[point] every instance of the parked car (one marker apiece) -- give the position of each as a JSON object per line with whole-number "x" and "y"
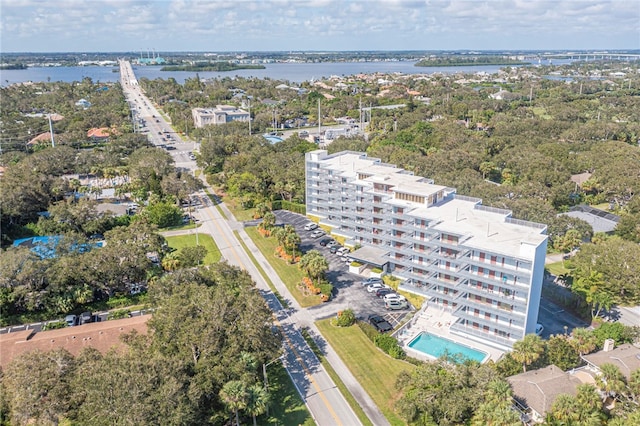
{"x": 310, "y": 226}
{"x": 381, "y": 292}
{"x": 347, "y": 260}
{"x": 380, "y": 323}
{"x": 334, "y": 249}
{"x": 325, "y": 241}
{"x": 343, "y": 250}
{"x": 396, "y": 304}
{"x": 394, "y": 296}
{"x": 333, "y": 243}
{"x": 85, "y": 318}
{"x": 375, "y": 287}
{"x": 71, "y": 320}
{"x": 317, "y": 233}
{"x": 368, "y": 281}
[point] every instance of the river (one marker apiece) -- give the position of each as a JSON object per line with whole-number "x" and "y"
{"x": 292, "y": 72}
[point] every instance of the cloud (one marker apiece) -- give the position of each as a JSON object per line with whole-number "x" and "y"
{"x": 220, "y": 25}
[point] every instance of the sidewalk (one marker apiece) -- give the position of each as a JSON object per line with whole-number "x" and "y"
{"x": 302, "y": 318}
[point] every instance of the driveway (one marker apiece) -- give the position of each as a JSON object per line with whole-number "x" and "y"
{"x": 348, "y": 293}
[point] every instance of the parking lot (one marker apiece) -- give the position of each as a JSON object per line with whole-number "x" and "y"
{"x": 347, "y": 287}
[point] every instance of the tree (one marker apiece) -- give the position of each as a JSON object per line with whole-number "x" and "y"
{"x": 38, "y": 387}
{"x": 583, "y": 340}
{"x": 560, "y": 352}
{"x": 528, "y": 350}
{"x": 192, "y": 256}
{"x": 162, "y": 214}
{"x": 268, "y": 220}
{"x": 314, "y": 265}
{"x": 257, "y": 401}
{"x": 234, "y": 396}
{"x": 290, "y": 240}
{"x": 611, "y": 380}
{"x": 592, "y": 287}
{"x": 496, "y": 409}
{"x": 210, "y": 319}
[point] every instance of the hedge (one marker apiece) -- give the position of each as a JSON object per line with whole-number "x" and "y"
{"x": 288, "y": 205}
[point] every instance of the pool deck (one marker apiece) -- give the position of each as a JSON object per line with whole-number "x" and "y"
{"x": 436, "y": 320}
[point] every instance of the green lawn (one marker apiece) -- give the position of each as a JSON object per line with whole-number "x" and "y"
{"x": 236, "y": 209}
{"x": 290, "y": 275}
{"x": 179, "y": 241}
{"x": 557, "y": 268}
{"x": 376, "y": 371}
{"x": 179, "y": 227}
{"x": 286, "y": 406}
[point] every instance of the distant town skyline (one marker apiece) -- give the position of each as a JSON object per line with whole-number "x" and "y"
{"x": 316, "y": 25}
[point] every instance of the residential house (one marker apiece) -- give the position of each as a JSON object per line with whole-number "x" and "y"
{"x": 626, "y": 357}
{"x": 99, "y": 134}
{"x": 535, "y": 391}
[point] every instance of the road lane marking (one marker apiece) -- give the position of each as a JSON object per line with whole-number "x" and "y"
{"x": 277, "y": 322}
{"x": 307, "y": 372}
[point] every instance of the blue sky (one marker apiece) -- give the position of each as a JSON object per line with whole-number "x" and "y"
{"x": 318, "y": 25}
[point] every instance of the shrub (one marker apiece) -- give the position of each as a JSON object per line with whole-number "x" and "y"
{"x": 345, "y": 318}
{"x": 122, "y": 313}
{"x": 376, "y": 270}
{"x": 326, "y": 289}
{"x": 368, "y": 330}
{"x": 389, "y": 345}
{"x": 54, "y": 325}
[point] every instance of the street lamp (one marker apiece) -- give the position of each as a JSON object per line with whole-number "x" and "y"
{"x": 264, "y": 373}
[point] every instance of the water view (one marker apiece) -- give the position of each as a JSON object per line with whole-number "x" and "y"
{"x": 293, "y": 72}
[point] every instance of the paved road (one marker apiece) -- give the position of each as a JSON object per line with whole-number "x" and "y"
{"x": 324, "y": 400}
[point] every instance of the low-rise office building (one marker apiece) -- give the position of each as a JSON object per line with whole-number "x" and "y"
{"x": 478, "y": 263}
{"x": 219, "y": 115}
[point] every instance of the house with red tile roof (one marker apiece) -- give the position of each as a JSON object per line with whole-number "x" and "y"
{"x": 41, "y": 138}
{"x": 99, "y": 134}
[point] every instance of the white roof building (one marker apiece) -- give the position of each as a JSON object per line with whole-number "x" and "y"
{"x": 219, "y": 115}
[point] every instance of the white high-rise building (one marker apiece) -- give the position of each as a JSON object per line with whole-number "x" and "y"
{"x": 477, "y": 262}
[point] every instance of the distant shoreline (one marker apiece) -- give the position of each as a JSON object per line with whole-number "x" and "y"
{"x": 468, "y": 62}
{"x": 215, "y": 66}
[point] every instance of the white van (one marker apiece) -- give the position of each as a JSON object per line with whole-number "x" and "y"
{"x": 310, "y": 226}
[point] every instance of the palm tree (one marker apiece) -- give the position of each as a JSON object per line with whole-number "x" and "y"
{"x": 257, "y": 401}
{"x": 583, "y": 340}
{"x": 528, "y": 350}
{"x": 234, "y": 396}
{"x": 564, "y": 410}
{"x": 269, "y": 220}
{"x": 611, "y": 380}
{"x": 314, "y": 264}
{"x": 291, "y": 240}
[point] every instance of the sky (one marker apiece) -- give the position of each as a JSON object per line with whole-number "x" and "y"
{"x": 316, "y": 25}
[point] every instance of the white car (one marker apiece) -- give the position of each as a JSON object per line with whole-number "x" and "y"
{"x": 372, "y": 288}
{"x": 310, "y": 226}
{"x": 396, "y": 304}
{"x": 317, "y": 234}
{"x": 343, "y": 251}
{"x": 394, "y": 296}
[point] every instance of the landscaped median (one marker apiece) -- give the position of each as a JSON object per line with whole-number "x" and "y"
{"x": 375, "y": 371}
{"x": 291, "y": 275}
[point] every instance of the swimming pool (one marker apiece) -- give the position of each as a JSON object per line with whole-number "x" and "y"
{"x": 436, "y": 346}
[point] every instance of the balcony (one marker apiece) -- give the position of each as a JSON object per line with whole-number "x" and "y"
{"x": 516, "y": 326}
{"x": 497, "y": 295}
{"x": 467, "y": 330}
{"x": 525, "y": 274}
{"x": 495, "y": 280}
{"x": 414, "y": 288}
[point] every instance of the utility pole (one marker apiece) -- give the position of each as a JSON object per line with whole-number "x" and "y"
{"x": 53, "y": 143}
{"x": 249, "y": 116}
